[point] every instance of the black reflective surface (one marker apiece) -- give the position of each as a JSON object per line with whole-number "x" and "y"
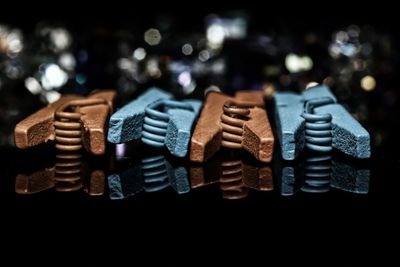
{"x": 134, "y": 172}
{"x": 151, "y": 196}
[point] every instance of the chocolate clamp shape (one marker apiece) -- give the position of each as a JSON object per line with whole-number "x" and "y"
{"x": 143, "y": 119}
{"x": 344, "y": 132}
{"x": 256, "y": 135}
{"x": 40, "y": 127}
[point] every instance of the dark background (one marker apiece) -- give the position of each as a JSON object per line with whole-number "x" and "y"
{"x": 154, "y": 220}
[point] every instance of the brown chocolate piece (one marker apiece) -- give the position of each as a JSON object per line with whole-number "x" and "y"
{"x": 258, "y": 138}
{"x": 72, "y": 121}
{"x": 38, "y": 128}
{"x": 239, "y": 122}
{"x": 207, "y": 136}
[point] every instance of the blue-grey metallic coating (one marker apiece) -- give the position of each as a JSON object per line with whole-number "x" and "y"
{"x": 348, "y": 135}
{"x": 289, "y": 124}
{"x": 180, "y": 126}
{"x": 141, "y": 119}
{"x": 320, "y": 91}
{"x": 126, "y": 124}
{"x": 318, "y": 127}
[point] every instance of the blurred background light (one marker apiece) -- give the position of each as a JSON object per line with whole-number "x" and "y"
{"x": 53, "y": 77}
{"x": 139, "y": 53}
{"x": 152, "y": 36}
{"x": 187, "y": 49}
{"x": 368, "y": 83}
{"x": 295, "y": 63}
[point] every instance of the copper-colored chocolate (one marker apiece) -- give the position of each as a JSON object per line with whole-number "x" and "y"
{"x": 39, "y": 127}
{"x": 234, "y": 176}
{"x": 72, "y": 121}
{"x": 239, "y": 122}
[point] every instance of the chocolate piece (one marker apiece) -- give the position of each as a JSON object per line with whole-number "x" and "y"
{"x": 239, "y": 122}
{"x": 72, "y": 121}
{"x": 315, "y": 120}
{"x": 157, "y": 120}
{"x": 126, "y": 123}
{"x": 38, "y": 128}
{"x": 207, "y": 136}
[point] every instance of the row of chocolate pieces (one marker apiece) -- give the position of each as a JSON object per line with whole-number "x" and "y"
{"x": 312, "y": 119}
{"x": 235, "y": 175}
{"x": 240, "y": 122}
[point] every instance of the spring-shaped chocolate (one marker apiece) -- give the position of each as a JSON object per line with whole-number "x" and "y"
{"x": 232, "y": 121}
{"x": 68, "y": 126}
{"x": 68, "y": 172}
{"x": 231, "y": 182}
{"x": 156, "y": 121}
{"x": 155, "y": 173}
{"x": 68, "y": 136}
{"x": 317, "y": 174}
{"x": 318, "y": 127}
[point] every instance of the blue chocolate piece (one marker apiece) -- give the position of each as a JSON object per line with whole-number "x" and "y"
{"x": 126, "y": 124}
{"x": 289, "y": 123}
{"x": 347, "y": 134}
{"x": 157, "y": 120}
{"x": 180, "y": 127}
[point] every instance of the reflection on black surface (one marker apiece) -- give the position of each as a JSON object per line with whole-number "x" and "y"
{"x": 64, "y": 173}
{"x": 235, "y": 173}
{"x": 318, "y": 173}
{"x": 151, "y": 173}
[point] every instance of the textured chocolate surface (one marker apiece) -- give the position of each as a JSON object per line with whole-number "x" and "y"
{"x": 39, "y": 128}
{"x": 348, "y": 134}
{"x": 257, "y": 137}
